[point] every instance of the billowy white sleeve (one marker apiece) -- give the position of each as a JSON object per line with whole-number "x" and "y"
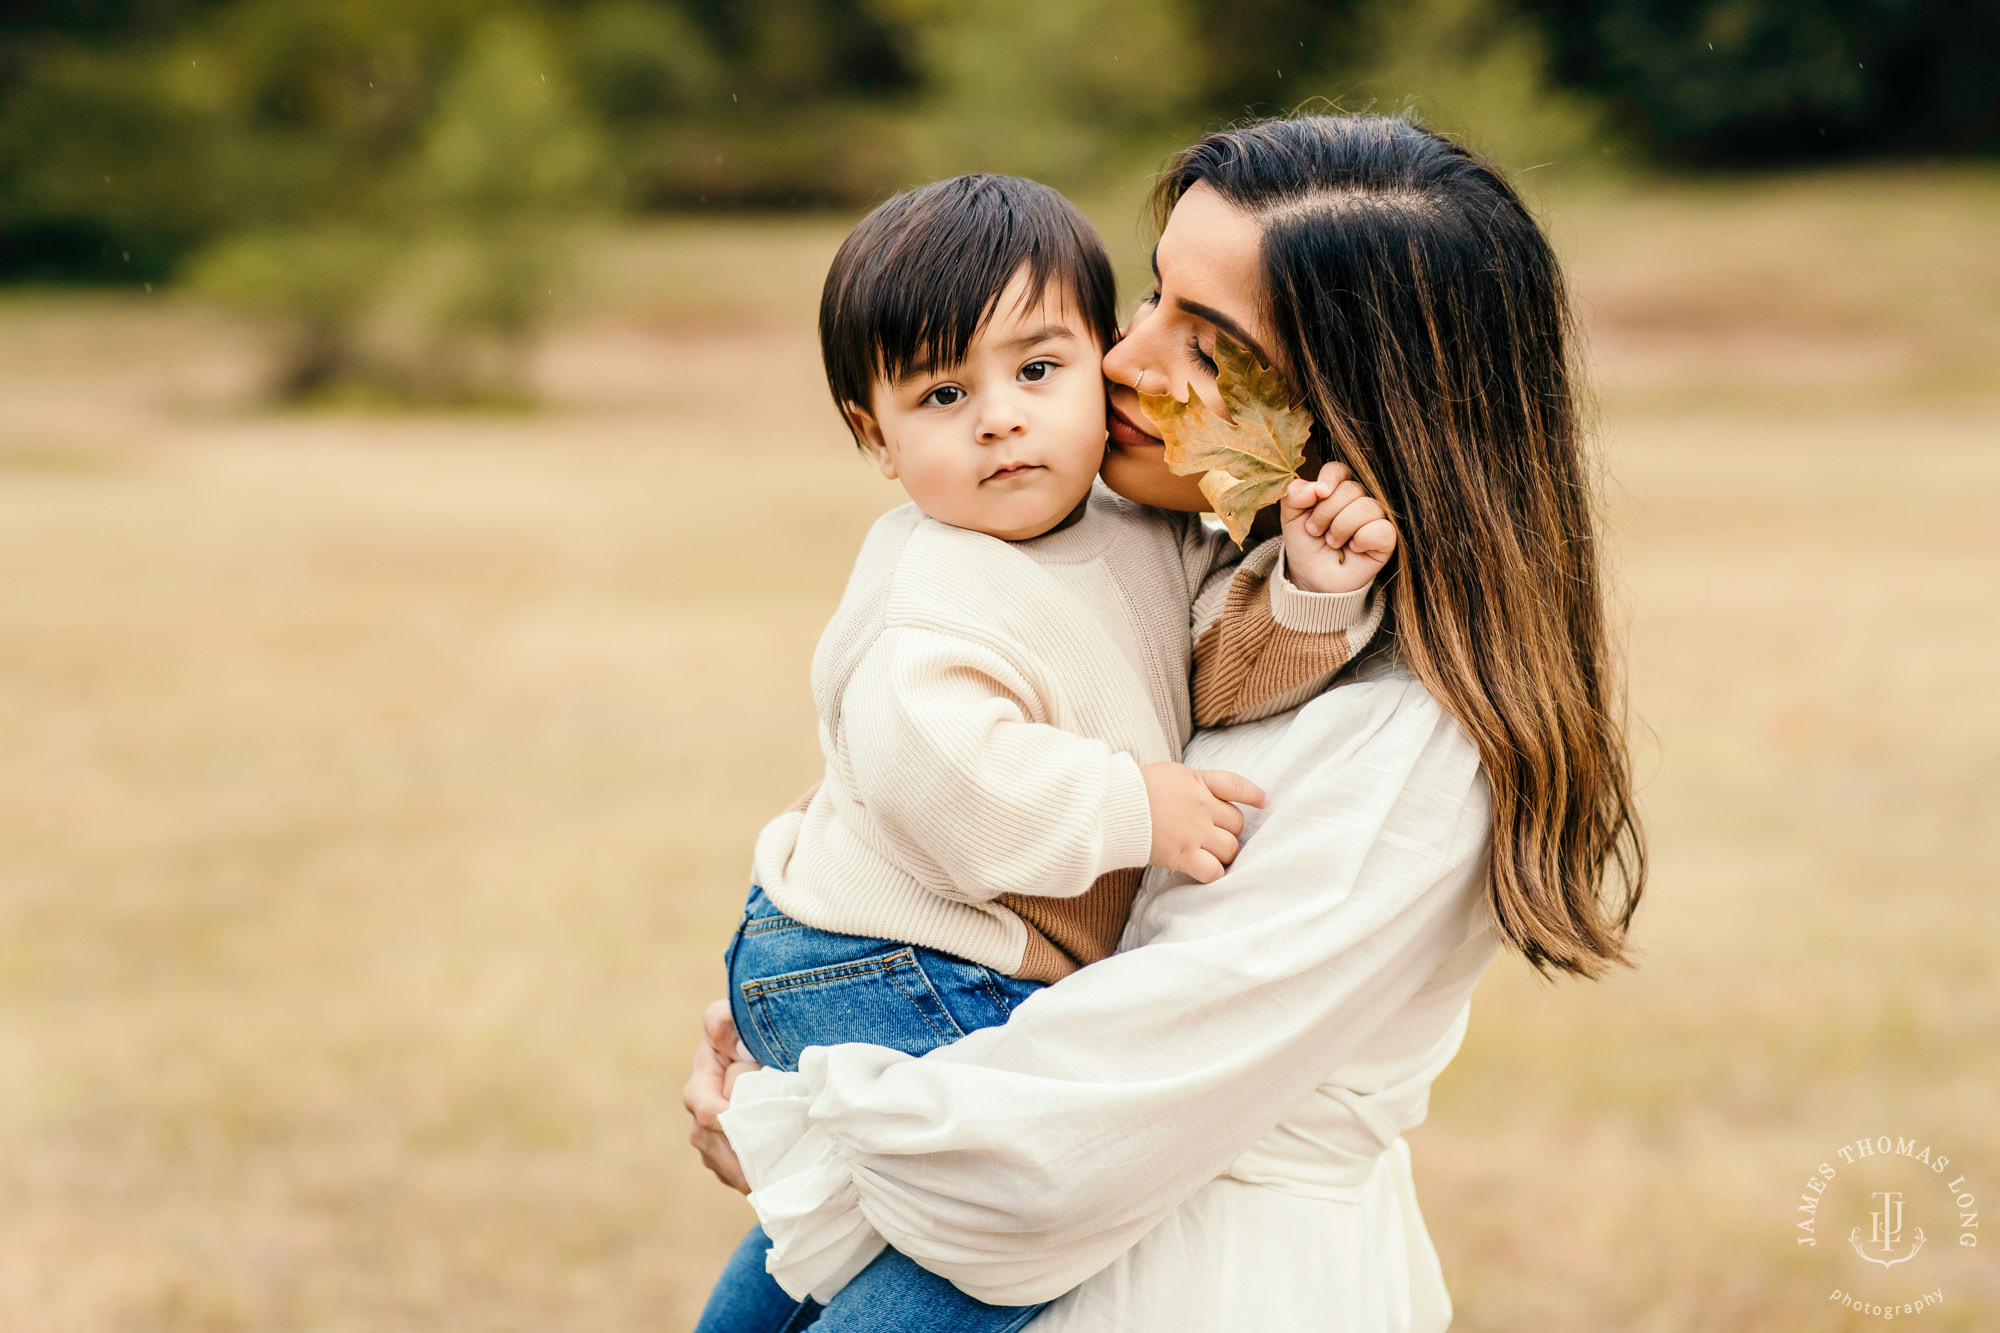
{"x": 1024, "y": 1158}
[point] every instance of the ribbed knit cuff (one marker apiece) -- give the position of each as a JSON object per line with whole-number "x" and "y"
{"x": 1315, "y": 612}
{"x": 1128, "y": 817}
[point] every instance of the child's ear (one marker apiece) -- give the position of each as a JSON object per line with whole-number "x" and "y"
{"x": 869, "y": 432}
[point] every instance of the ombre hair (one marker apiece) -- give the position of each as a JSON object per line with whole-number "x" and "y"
{"x": 1422, "y": 316}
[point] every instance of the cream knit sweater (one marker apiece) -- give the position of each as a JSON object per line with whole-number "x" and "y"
{"x": 985, "y": 705}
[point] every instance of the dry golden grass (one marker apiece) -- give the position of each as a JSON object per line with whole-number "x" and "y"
{"x": 377, "y": 791}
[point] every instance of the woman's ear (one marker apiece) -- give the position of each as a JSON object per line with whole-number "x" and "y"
{"x": 869, "y": 432}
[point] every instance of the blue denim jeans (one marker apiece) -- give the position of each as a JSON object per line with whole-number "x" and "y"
{"x": 792, "y": 986}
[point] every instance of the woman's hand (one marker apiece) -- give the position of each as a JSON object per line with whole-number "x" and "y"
{"x": 1336, "y": 536}
{"x": 717, "y": 1063}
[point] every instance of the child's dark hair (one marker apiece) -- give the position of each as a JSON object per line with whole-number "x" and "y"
{"x": 913, "y": 283}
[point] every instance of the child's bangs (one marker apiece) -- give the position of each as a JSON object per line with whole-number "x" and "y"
{"x": 932, "y": 335}
{"x": 915, "y": 283}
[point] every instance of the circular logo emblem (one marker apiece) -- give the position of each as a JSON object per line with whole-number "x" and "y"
{"x": 1892, "y": 1206}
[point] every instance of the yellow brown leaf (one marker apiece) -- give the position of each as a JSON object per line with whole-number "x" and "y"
{"x": 1247, "y": 457}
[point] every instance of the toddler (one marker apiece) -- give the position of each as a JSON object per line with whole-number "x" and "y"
{"x": 1003, "y": 693}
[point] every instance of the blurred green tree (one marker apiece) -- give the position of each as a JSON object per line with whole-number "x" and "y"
{"x": 154, "y": 127}
{"x": 1481, "y": 72}
{"x": 781, "y": 103}
{"x": 395, "y": 177}
{"x": 1741, "y": 82}
{"x": 1067, "y": 93}
{"x": 440, "y": 298}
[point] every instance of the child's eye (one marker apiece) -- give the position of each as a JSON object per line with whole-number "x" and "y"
{"x": 945, "y": 395}
{"x": 1037, "y": 371}
{"x": 1207, "y": 361}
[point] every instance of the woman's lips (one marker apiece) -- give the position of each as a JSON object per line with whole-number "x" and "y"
{"x": 1127, "y": 432}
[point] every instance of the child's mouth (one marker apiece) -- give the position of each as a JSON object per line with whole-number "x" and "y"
{"x": 1014, "y": 470}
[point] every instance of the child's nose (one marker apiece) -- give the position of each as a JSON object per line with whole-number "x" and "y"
{"x": 1002, "y": 420}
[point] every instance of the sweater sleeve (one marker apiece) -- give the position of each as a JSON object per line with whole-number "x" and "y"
{"x": 1021, "y": 1159}
{"x": 1263, "y": 645}
{"x": 940, "y": 745}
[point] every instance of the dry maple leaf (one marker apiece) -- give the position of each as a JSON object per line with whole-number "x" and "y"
{"x": 1248, "y": 457}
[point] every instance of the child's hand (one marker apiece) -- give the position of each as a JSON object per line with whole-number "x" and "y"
{"x": 1194, "y": 823}
{"x": 1336, "y": 537}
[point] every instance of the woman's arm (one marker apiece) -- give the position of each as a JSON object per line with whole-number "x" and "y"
{"x": 1024, "y": 1158}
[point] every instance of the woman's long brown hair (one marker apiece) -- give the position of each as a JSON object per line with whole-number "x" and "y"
{"x": 1424, "y": 317}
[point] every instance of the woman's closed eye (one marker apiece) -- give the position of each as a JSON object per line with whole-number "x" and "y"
{"x": 1202, "y": 359}
{"x": 1195, "y": 352}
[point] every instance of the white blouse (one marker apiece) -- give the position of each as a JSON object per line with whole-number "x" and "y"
{"x": 1203, "y": 1130}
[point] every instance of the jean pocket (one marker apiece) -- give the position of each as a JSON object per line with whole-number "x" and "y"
{"x": 886, "y": 1000}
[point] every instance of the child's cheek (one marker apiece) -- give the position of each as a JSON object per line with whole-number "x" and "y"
{"x": 945, "y": 492}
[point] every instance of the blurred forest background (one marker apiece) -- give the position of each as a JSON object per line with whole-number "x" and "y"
{"x": 392, "y": 180}
{"x": 419, "y": 500}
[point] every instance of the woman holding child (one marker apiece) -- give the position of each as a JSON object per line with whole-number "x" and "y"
{"x": 1203, "y": 1130}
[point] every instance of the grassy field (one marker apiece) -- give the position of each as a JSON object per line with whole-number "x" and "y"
{"x": 377, "y": 791}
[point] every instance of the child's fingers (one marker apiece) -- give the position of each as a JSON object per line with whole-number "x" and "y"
{"x": 1301, "y": 494}
{"x": 1299, "y": 497}
{"x": 1202, "y": 867}
{"x": 1332, "y": 474}
{"x": 1221, "y": 844}
{"x": 1235, "y": 787}
{"x": 1225, "y": 816}
{"x": 1376, "y": 540}
{"x": 1323, "y": 514}
{"x": 1351, "y": 520}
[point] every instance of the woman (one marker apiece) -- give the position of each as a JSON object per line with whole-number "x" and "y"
{"x": 1204, "y": 1131}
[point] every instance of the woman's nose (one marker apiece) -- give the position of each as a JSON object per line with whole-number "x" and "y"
{"x": 1126, "y": 363}
{"x": 1118, "y": 362}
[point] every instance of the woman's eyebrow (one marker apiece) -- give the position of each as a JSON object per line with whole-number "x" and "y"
{"x": 1214, "y": 316}
{"x": 1227, "y": 325}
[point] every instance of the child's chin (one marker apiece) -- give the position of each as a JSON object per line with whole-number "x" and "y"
{"x": 1027, "y": 523}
